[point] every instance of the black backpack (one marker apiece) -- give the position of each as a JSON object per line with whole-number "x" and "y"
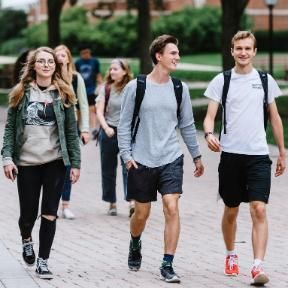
{"x": 140, "y": 92}
{"x": 75, "y": 87}
{"x": 227, "y": 78}
{"x": 107, "y": 96}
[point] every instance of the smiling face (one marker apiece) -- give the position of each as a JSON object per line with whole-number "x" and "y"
{"x": 44, "y": 65}
{"x": 169, "y": 58}
{"x": 243, "y": 52}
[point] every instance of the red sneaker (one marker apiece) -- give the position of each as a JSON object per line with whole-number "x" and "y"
{"x": 231, "y": 265}
{"x": 258, "y": 276}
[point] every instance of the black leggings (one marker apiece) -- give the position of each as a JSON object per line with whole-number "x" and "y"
{"x": 30, "y": 180}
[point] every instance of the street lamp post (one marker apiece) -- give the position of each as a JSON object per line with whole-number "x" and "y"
{"x": 270, "y": 4}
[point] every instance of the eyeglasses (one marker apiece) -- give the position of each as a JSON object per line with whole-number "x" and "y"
{"x": 43, "y": 62}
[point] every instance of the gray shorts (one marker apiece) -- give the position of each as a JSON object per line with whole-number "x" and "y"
{"x": 144, "y": 182}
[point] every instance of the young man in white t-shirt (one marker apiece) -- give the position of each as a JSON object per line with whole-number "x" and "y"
{"x": 245, "y": 166}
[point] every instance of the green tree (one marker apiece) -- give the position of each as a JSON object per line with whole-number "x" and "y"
{"x": 232, "y": 11}
{"x": 11, "y": 23}
{"x": 144, "y": 36}
{"x": 144, "y": 30}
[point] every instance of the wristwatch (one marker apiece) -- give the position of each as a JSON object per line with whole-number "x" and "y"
{"x": 197, "y": 158}
{"x": 206, "y": 134}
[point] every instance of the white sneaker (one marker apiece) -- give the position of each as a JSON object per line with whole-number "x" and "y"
{"x": 67, "y": 214}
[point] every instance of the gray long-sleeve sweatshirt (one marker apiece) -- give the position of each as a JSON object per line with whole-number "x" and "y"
{"x": 156, "y": 142}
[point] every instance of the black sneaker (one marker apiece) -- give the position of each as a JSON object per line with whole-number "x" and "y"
{"x": 28, "y": 252}
{"x": 167, "y": 273}
{"x": 134, "y": 257}
{"x": 42, "y": 270}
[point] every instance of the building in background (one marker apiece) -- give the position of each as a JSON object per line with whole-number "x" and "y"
{"x": 257, "y": 9}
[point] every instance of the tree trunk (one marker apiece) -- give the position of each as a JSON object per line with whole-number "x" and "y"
{"x": 144, "y": 36}
{"x": 232, "y": 11}
{"x": 54, "y": 12}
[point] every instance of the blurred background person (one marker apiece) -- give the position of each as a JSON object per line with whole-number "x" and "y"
{"x": 19, "y": 65}
{"x": 108, "y": 111}
{"x": 76, "y": 81}
{"x": 89, "y": 68}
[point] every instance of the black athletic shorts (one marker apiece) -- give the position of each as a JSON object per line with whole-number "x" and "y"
{"x": 144, "y": 182}
{"x": 244, "y": 178}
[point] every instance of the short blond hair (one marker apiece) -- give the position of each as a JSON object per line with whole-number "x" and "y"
{"x": 243, "y": 35}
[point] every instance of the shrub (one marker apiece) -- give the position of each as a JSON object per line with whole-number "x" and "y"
{"x": 196, "y": 29}
{"x": 13, "y": 46}
{"x": 11, "y": 23}
{"x": 280, "y": 42}
{"x": 36, "y": 35}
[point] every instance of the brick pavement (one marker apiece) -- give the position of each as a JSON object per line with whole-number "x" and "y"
{"x": 91, "y": 251}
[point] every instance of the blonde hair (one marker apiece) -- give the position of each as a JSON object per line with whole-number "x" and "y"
{"x": 126, "y": 78}
{"x": 243, "y": 35}
{"x": 70, "y": 65}
{"x": 29, "y": 75}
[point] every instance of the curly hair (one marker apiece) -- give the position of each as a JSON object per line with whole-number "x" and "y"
{"x": 29, "y": 75}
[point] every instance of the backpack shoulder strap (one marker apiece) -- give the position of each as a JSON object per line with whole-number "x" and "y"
{"x": 264, "y": 81}
{"x": 227, "y": 78}
{"x": 178, "y": 89}
{"x": 140, "y": 92}
{"x": 107, "y": 89}
{"x": 75, "y": 83}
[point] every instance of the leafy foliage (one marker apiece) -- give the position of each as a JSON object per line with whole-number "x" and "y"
{"x": 196, "y": 29}
{"x": 11, "y": 23}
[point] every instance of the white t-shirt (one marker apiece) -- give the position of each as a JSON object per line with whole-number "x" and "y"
{"x": 245, "y": 132}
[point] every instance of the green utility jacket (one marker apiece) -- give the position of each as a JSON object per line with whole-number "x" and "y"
{"x": 67, "y": 129}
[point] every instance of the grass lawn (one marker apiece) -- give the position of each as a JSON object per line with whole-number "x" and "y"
{"x": 207, "y": 59}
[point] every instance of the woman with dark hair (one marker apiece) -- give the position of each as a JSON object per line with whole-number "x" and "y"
{"x": 20, "y": 64}
{"x": 108, "y": 111}
{"x": 40, "y": 140}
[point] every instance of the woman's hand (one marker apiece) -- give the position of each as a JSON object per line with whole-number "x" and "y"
{"x": 84, "y": 137}
{"x": 74, "y": 175}
{"x": 10, "y": 171}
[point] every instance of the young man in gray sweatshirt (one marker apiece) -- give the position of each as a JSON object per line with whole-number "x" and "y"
{"x": 155, "y": 160}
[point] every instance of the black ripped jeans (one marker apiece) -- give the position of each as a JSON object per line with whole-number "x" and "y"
{"x": 30, "y": 180}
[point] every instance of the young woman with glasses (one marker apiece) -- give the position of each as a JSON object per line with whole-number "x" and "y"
{"x": 40, "y": 140}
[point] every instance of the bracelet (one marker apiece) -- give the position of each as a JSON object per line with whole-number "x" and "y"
{"x": 197, "y": 158}
{"x": 206, "y": 134}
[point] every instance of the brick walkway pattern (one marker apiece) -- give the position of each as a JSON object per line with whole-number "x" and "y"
{"x": 91, "y": 251}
